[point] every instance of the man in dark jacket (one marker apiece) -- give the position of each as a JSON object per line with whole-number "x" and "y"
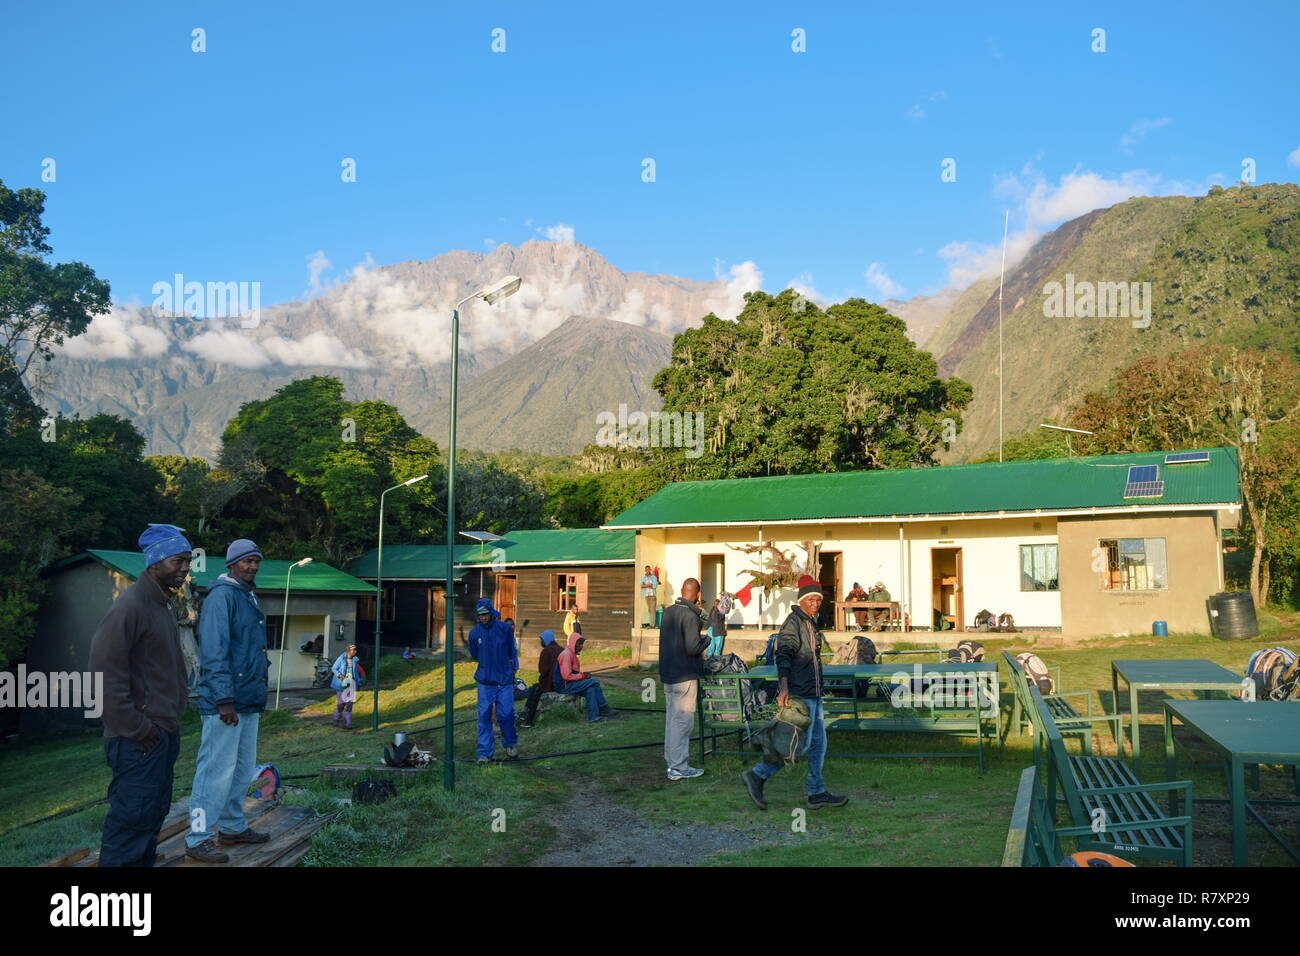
{"x": 680, "y": 666}
{"x": 137, "y": 648}
{"x": 545, "y": 668}
{"x": 231, "y": 698}
{"x": 799, "y": 669}
{"x": 492, "y": 644}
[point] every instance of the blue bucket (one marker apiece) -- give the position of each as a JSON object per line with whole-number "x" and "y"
{"x": 1160, "y": 628}
{"x": 659, "y": 616}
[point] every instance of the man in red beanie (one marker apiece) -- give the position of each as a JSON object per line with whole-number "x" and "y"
{"x": 800, "y": 670}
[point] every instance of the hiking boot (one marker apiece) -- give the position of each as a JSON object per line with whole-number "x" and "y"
{"x": 483, "y": 760}
{"x": 609, "y": 713}
{"x": 686, "y": 774}
{"x": 512, "y": 752}
{"x": 247, "y": 836}
{"x": 207, "y": 852}
{"x": 754, "y": 785}
{"x": 826, "y": 799}
{"x": 525, "y": 726}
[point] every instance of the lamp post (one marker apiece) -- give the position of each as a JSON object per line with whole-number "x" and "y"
{"x": 499, "y": 290}
{"x": 284, "y": 628}
{"x": 379, "y": 591}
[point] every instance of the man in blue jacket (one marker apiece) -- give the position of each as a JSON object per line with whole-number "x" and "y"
{"x": 492, "y": 644}
{"x": 231, "y": 697}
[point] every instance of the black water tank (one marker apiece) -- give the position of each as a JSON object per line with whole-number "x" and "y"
{"x": 1235, "y": 620}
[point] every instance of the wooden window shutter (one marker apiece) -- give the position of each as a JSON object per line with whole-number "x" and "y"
{"x": 580, "y": 583}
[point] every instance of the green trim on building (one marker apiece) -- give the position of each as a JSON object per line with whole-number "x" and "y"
{"x": 409, "y": 562}
{"x": 1052, "y": 484}
{"x": 557, "y": 546}
{"x": 315, "y": 577}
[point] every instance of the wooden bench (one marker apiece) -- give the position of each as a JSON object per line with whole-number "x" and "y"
{"x": 1110, "y": 809}
{"x": 1068, "y": 719}
{"x": 1033, "y": 839}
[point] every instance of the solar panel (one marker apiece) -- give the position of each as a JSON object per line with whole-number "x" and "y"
{"x": 1186, "y": 457}
{"x": 1138, "y": 473}
{"x": 1144, "y": 489}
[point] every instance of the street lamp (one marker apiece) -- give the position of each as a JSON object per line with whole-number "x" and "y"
{"x": 499, "y": 290}
{"x": 1069, "y": 451}
{"x": 284, "y": 627}
{"x": 379, "y": 591}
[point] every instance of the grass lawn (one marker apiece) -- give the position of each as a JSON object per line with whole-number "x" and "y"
{"x": 903, "y": 812}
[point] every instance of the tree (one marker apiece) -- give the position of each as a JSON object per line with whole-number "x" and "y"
{"x": 789, "y": 388}
{"x": 41, "y": 302}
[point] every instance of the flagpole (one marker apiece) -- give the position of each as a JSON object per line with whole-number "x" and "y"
{"x": 1006, "y": 219}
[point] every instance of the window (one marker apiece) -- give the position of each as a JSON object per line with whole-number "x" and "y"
{"x": 367, "y": 610}
{"x": 1038, "y": 568}
{"x": 1135, "y": 564}
{"x": 274, "y": 631}
{"x": 569, "y": 592}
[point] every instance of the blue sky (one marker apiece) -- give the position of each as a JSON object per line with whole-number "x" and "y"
{"x": 822, "y": 165}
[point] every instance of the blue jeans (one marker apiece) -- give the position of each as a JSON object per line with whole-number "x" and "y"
{"x": 138, "y": 798}
{"x": 814, "y": 749}
{"x": 715, "y": 646}
{"x": 227, "y": 756}
{"x": 589, "y": 687}
{"x": 503, "y": 695}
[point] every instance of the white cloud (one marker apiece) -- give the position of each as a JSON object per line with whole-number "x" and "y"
{"x": 364, "y": 266}
{"x": 880, "y": 281}
{"x": 1139, "y": 129}
{"x": 803, "y": 284}
{"x": 1294, "y": 158}
{"x": 968, "y": 261}
{"x": 316, "y": 348}
{"x": 317, "y": 266}
{"x": 728, "y": 302}
{"x": 915, "y": 113}
{"x": 227, "y": 347}
{"x": 117, "y": 334}
{"x": 561, "y": 232}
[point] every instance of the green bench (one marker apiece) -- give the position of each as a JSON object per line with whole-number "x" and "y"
{"x": 1110, "y": 809}
{"x": 1069, "y": 721}
{"x": 1033, "y": 839}
{"x": 721, "y": 712}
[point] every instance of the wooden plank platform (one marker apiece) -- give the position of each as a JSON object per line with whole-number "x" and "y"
{"x": 290, "y": 830}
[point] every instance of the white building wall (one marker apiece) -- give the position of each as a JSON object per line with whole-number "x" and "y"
{"x": 871, "y": 552}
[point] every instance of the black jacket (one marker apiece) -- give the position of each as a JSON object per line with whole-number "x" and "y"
{"x": 681, "y": 643}
{"x": 797, "y": 659}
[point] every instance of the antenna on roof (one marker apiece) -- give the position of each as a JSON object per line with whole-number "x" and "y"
{"x": 1069, "y": 452}
{"x": 1006, "y": 219}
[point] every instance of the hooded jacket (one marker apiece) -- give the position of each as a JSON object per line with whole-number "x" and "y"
{"x": 681, "y": 643}
{"x": 232, "y": 648}
{"x": 493, "y": 647}
{"x": 568, "y": 666}
{"x": 549, "y": 658}
{"x": 342, "y": 665}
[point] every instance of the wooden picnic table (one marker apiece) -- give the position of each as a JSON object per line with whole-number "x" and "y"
{"x": 895, "y": 618}
{"x": 1244, "y": 734}
{"x": 1198, "y": 675}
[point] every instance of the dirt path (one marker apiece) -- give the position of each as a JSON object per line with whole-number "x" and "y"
{"x": 600, "y": 833}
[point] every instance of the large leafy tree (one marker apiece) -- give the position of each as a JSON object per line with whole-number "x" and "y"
{"x": 789, "y": 388}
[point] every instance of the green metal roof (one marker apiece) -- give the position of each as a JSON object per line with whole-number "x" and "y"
{"x": 316, "y": 576}
{"x": 409, "y": 562}
{"x": 1053, "y": 484}
{"x": 557, "y": 546}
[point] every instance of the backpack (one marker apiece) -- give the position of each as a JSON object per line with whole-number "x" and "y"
{"x": 856, "y": 650}
{"x": 1036, "y": 671}
{"x": 1007, "y": 623}
{"x": 985, "y": 621}
{"x": 768, "y": 657}
{"x": 966, "y": 652}
{"x": 727, "y": 689}
{"x": 1269, "y": 668}
{"x": 373, "y": 791}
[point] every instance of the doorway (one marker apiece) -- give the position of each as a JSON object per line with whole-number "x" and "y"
{"x": 505, "y": 596}
{"x": 828, "y": 576}
{"x": 711, "y": 579}
{"x": 434, "y": 617}
{"x": 946, "y": 586}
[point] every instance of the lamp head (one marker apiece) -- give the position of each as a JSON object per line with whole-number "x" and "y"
{"x": 500, "y": 290}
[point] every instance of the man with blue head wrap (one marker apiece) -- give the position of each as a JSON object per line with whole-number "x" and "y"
{"x": 137, "y": 648}
{"x": 492, "y": 644}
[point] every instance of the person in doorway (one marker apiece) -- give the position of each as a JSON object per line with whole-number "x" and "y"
{"x": 799, "y": 669}
{"x": 570, "y": 678}
{"x": 137, "y": 647}
{"x": 231, "y": 698}
{"x": 680, "y": 667}
{"x": 859, "y": 613}
{"x": 649, "y": 592}
{"x": 717, "y": 629}
{"x": 347, "y": 677}
{"x": 492, "y": 643}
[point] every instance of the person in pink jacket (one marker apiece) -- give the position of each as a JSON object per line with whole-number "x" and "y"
{"x": 570, "y": 678}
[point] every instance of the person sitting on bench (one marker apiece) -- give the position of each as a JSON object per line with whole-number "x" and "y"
{"x": 569, "y": 678}
{"x": 546, "y": 664}
{"x": 875, "y": 616}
